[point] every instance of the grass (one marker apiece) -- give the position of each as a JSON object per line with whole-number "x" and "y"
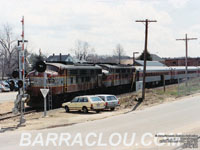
{"x": 158, "y": 95}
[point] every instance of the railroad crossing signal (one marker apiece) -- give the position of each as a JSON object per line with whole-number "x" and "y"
{"x": 40, "y": 66}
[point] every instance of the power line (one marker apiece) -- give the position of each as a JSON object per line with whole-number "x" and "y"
{"x": 145, "y": 52}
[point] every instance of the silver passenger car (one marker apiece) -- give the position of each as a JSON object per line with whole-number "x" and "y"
{"x": 111, "y": 101}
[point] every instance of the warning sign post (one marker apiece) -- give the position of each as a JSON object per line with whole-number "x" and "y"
{"x": 44, "y": 93}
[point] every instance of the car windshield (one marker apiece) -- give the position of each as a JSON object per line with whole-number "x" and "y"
{"x": 110, "y": 98}
{"x": 95, "y": 99}
{"x": 75, "y": 99}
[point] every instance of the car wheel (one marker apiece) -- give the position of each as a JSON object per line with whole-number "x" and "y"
{"x": 112, "y": 109}
{"x": 85, "y": 110}
{"x": 66, "y": 108}
{"x": 97, "y": 111}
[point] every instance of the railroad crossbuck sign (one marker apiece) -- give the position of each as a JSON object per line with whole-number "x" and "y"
{"x": 44, "y": 92}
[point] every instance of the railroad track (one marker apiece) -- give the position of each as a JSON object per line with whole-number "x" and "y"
{"x": 10, "y": 115}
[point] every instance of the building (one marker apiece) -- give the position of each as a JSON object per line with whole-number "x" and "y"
{"x": 156, "y": 60}
{"x": 181, "y": 61}
{"x": 61, "y": 58}
{"x": 148, "y": 63}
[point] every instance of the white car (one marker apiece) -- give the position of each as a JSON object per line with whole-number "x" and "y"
{"x": 85, "y": 103}
{"x": 110, "y": 100}
{"x": 4, "y": 88}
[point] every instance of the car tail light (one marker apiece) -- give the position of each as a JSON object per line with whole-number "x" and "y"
{"x": 106, "y": 103}
{"x": 91, "y": 105}
{"x": 118, "y": 102}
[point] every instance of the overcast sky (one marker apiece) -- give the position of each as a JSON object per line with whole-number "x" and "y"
{"x": 55, "y": 25}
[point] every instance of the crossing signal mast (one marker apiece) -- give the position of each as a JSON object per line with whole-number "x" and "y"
{"x": 22, "y": 59}
{"x": 21, "y": 96}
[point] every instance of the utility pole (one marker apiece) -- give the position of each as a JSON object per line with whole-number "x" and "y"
{"x": 145, "y": 52}
{"x": 186, "y": 55}
{"x": 134, "y": 57}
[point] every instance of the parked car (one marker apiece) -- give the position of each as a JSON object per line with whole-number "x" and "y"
{"x": 13, "y": 84}
{"x": 110, "y": 100}
{"x": 5, "y": 84}
{"x": 85, "y": 104}
{"x": 4, "y": 88}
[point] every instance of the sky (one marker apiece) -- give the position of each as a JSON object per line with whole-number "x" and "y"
{"x": 54, "y": 26}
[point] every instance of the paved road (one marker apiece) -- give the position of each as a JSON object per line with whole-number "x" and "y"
{"x": 7, "y": 96}
{"x": 174, "y": 117}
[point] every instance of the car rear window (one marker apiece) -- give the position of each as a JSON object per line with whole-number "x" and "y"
{"x": 110, "y": 98}
{"x": 102, "y": 97}
{"x": 95, "y": 99}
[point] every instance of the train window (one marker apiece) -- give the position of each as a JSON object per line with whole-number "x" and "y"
{"x": 123, "y": 70}
{"x": 92, "y": 72}
{"x": 73, "y": 72}
{"x": 117, "y": 71}
{"x": 76, "y": 80}
{"x": 71, "y": 80}
{"x": 82, "y": 72}
{"x": 99, "y": 71}
{"x": 52, "y": 68}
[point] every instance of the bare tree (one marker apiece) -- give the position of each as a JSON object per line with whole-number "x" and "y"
{"x": 82, "y": 50}
{"x": 119, "y": 52}
{"x": 8, "y": 51}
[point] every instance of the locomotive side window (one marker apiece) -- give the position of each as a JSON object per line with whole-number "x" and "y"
{"x": 73, "y": 72}
{"x": 52, "y": 68}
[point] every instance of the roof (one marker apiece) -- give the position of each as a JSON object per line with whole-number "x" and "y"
{"x": 115, "y": 66}
{"x": 78, "y": 66}
{"x": 104, "y": 95}
{"x": 153, "y": 68}
{"x": 60, "y": 58}
{"x": 149, "y": 63}
{"x": 183, "y": 67}
{"x": 156, "y": 57}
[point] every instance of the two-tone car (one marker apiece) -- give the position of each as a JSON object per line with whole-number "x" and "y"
{"x": 111, "y": 101}
{"x": 85, "y": 104}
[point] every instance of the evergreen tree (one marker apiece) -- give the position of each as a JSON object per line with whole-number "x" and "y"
{"x": 148, "y": 55}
